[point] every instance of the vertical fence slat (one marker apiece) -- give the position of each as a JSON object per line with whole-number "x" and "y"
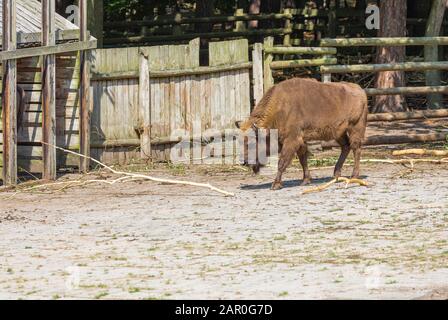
{"x": 49, "y": 92}
{"x": 145, "y": 107}
{"x": 85, "y": 103}
{"x": 257, "y": 71}
{"x": 267, "y": 59}
{"x": 9, "y": 97}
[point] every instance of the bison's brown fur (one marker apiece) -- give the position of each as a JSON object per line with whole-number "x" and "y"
{"x": 303, "y": 110}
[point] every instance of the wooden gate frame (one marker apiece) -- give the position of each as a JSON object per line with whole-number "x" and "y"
{"x": 48, "y": 50}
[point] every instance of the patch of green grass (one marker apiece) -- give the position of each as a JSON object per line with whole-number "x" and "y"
{"x": 280, "y": 238}
{"x": 283, "y": 294}
{"x": 176, "y": 169}
{"x": 134, "y": 290}
{"x": 101, "y": 295}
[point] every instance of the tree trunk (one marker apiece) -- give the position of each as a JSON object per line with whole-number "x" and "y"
{"x": 392, "y": 24}
{"x": 433, "y": 27}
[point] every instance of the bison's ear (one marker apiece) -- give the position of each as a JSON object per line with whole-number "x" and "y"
{"x": 238, "y": 124}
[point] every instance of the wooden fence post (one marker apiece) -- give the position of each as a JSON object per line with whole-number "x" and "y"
{"x": 85, "y": 101}
{"x": 267, "y": 59}
{"x": 49, "y": 92}
{"x": 177, "y": 28}
{"x": 288, "y": 25}
{"x": 144, "y": 107}
{"x": 257, "y": 66}
{"x": 9, "y": 95}
{"x": 326, "y": 77}
{"x": 239, "y": 25}
{"x": 433, "y": 28}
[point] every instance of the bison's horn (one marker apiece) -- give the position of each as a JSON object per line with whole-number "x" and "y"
{"x": 255, "y": 127}
{"x": 238, "y": 124}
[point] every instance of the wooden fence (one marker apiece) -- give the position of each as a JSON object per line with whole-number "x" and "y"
{"x": 298, "y": 26}
{"x": 432, "y": 89}
{"x": 142, "y": 96}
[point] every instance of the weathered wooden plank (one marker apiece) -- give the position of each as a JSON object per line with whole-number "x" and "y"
{"x": 9, "y": 99}
{"x": 267, "y": 60}
{"x": 383, "y": 42}
{"x": 56, "y": 49}
{"x": 405, "y": 66}
{"x": 257, "y": 71}
{"x": 49, "y": 92}
{"x": 85, "y": 101}
{"x": 228, "y": 52}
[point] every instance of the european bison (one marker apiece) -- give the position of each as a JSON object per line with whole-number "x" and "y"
{"x": 305, "y": 110}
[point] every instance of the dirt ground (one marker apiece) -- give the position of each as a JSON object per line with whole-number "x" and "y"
{"x": 143, "y": 240}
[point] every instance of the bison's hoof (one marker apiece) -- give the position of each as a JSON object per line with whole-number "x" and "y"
{"x": 305, "y": 182}
{"x": 276, "y": 186}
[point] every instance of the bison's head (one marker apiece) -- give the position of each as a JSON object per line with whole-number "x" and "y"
{"x": 255, "y": 144}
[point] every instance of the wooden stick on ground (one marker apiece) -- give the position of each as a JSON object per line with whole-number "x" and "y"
{"x": 328, "y": 184}
{"x": 420, "y": 152}
{"x": 146, "y": 177}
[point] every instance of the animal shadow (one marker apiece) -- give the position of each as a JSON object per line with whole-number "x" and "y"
{"x": 288, "y": 184}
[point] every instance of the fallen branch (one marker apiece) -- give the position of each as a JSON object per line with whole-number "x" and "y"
{"x": 329, "y": 184}
{"x": 146, "y": 177}
{"x": 421, "y": 152}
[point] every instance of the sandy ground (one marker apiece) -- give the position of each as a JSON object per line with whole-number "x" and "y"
{"x": 141, "y": 240}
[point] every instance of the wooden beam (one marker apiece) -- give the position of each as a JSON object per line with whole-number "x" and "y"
{"x": 384, "y": 42}
{"x": 85, "y": 102}
{"x": 49, "y": 92}
{"x": 36, "y": 37}
{"x": 433, "y": 27}
{"x": 395, "y": 139}
{"x": 9, "y": 95}
{"x": 302, "y": 63}
{"x": 187, "y": 20}
{"x": 406, "y": 90}
{"x": 191, "y": 36}
{"x": 46, "y": 50}
{"x": 405, "y": 66}
{"x": 302, "y": 50}
{"x": 412, "y": 115}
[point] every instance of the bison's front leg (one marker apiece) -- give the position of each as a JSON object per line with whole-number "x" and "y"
{"x": 345, "y": 150}
{"x": 289, "y": 149}
{"x": 357, "y": 165}
{"x": 303, "y": 157}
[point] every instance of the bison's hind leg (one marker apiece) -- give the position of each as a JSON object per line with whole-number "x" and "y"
{"x": 303, "y": 157}
{"x": 356, "y": 136}
{"x": 290, "y": 147}
{"x": 344, "y": 142}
